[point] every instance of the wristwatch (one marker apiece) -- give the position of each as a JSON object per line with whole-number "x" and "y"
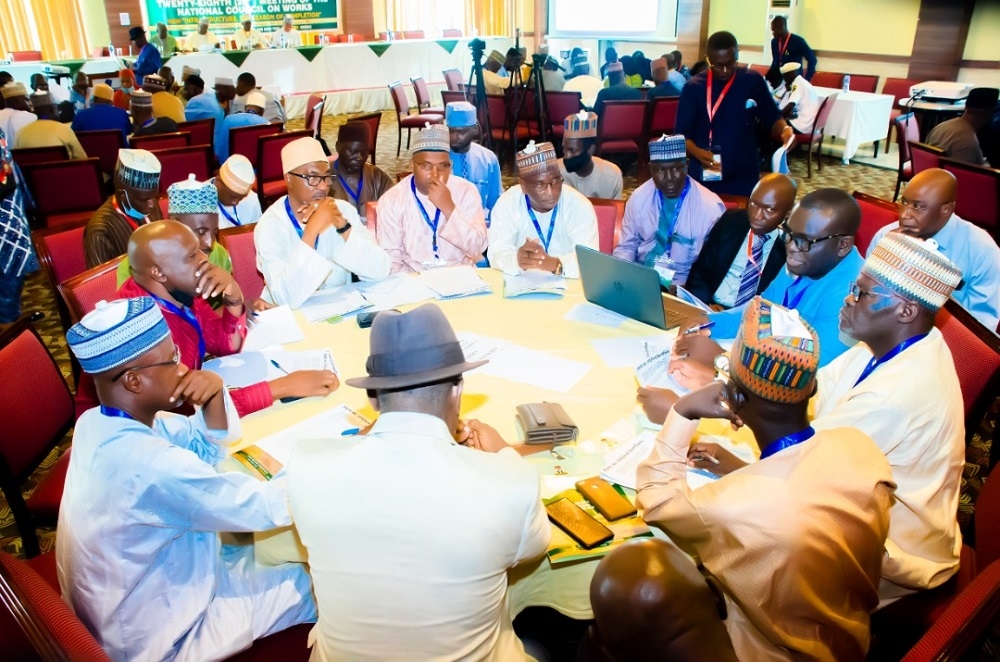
{"x": 347, "y": 226}
{"x": 721, "y": 363}
{"x": 559, "y": 268}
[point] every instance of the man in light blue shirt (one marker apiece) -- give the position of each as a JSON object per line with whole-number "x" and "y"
{"x": 202, "y": 105}
{"x": 470, "y": 160}
{"x": 927, "y": 210}
{"x": 253, "y": 116}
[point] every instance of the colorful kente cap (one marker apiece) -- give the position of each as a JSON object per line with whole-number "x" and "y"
{"x": 668, "y": 148}
{"x": 116, "y": 332}
{"x": 775, "y": 354}
{"x": 13, "y": 90}
{"x": 581, "y": 125}
{"x": 535, "y": 157}
{"x": 460, "y": 114}
{"x": 913, "y": 268}
{"x": 237, "y": 174}
{"x": 141, "y": 99}
{"x": 300, "y": 152}
{"x": 192, "y": 197}
{"x": 138, "y": 168}
{"x": 153, "y": 83}
{"x": 432, "y": 138}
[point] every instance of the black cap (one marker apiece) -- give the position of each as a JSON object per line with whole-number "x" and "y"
{"x": 136, "y": 32}
{"x": 982, "y": 98}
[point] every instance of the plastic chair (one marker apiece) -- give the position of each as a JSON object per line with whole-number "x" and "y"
{"x": 202, "y": 131}
{"x": 924, "y": 156}
{"x": 161, "y": 140}
{"x": 104, "y": 144}
{"x": 621, "y": 128}
{"x": 243, "y": 140}
{"x": 373, "y": 120}
{"x": 31, "y": 155}
{"x": 815, "y": 136}
{"x": 37, "y": 411}
{"x": 239, "y": 242}
{"x": 828, "y": 79}
{"x": 404, "y": 118}
{"x": 270, "y": 175}
{"x": 876, "y": 213}
{"x": 60, "y": 252}
{"x": 453, "y": 79}
{"x": 662, "y": 117}
{"x": 609, "y": 222}
{"x": 82, "y": 292}
{"x": 561, "y": 105}
{"x": 424, "y": 97}
{"x": 978, "y": 198}
{"x": 899, "y": 88}
{"x": 65, "y": 192}
{"x": 907, "y": 131}
{"x": 863, "y": 83}
{"x": 176, "y": 163}
{"x": 314, "y": 115}
{"x": 371, "y": 216}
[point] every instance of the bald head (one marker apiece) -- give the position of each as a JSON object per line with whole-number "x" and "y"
{"x": 650, "y": 602}
{"x": 841, "y": 212}
{"x": 164, "y": 257}
{"x": 927, "y": 203}
{"x": 770, "y": 202}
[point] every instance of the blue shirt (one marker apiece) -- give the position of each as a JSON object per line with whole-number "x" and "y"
{"x": 204, "y": 106}
{"x": 796, "y": 50}
{"x": 233, "y": 122}
{"x": 819, "y": 304}
{"x": 734, "y": 127}
{"x": 481, "y": 167}
{"x": 102, "y": 116}
{"x": 148, "y": 62}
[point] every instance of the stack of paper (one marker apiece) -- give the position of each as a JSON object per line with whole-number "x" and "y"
{"x": 397, "y": 290}
{"x": 533, "y": 281}
{"x": 246, "y": 368}
{"x": 276, "y": 326}
{"x": 334, "y": 303}
{"x": 453, "y": 282}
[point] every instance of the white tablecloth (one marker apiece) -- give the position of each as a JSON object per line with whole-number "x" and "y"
{"x": 857, "y": 118}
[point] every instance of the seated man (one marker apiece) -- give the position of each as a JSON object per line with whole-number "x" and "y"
{"x": 16, "y": 113}
{"x": 138, "y": 553}
{"x": 143, "y": 122}
{"x": 247, "y": 83}
{"x": 927, "y": 211}
{"x": 201, "y": 104}
{"x": 134, "y": 203}
{"x": 666, "y": 80}
{"x": 470, "y": 160}
{"x": 552, "y": 78}
{"x": 252, "y": 115}
{"x": 431, "y": 219}
{"x": 588, "y": 174}
{"x": 248, "y": 37}
{"x": 47, "y": 130}
{"x": 307, "y": 241}
{"x": 225, "y": 92}
{"x": 958, "y": 137}
{"x": 168, "y": 265}
{"x": 102, "y": 114}
{"x": 201, "y": 40}
{"x": 358, "y": 181}
{"x": 796, "y": 540}
{"x": 492, "y": 80}
{"x": 286, "y": 36}
{"x": 799, "y": 104}
{"x": 382, "y": 592}
{"x": 165, "y": 104}
{"x": 238, "y": 203}
{"x": 744, "y": 252}
{"x": 162, "y": 41}
{"x": 668, "y": 218}
{"x": 538, "y": 223}
{"x": 618, "y": 88}
{"x": 123, "y": 94}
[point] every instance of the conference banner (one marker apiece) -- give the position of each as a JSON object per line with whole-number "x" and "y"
{"x": 182, "y": 16}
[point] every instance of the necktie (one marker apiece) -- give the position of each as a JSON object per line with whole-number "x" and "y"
{"x": 751, "y": 272}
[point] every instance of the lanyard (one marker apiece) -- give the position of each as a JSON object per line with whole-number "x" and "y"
{"x": 750, "y": 241}
{"x": 677, "y": 214}
{"x": 782, "y": 48}
{"x": 538, "y": 228}
{"x": 295, "y": 222}
{"x": 115, "y": 413}
{"x": 234, "y": 219}
{"x": 718, "y": 102}
{"x": 128, "y": 219}
{"x": 874, "y": 363}
{"x": 787, "y": 442}
{"x": 188, "y": 316}
{"x": 794, "y": 303}
{"x": 433, "y": 225}
{"x": 343, "y": 182}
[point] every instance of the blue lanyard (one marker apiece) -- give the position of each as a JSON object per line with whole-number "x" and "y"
{"x": 874, "y": 363}
{"x": 234, "y": 219}
{"x": 546, "y": 240}
{"x": 188, "y": 316}
{"x": 115, "y": 413}
{"x": 295, "y": 222}
{"x": 794, "y": 303}
{"x": 787, "y": 442}
{"x": 433, "y": 225}
{"x": 343, "y": 182}
{"x": 677, "y": 214}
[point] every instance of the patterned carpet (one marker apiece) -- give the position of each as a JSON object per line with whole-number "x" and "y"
{"x": 38, "y": 295}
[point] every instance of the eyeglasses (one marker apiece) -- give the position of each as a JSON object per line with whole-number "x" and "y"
{"x": 804, "y": 244}
{"x": 314, "y": 180}
{"x": 174, "y": 361}
{"x": 429, "y": 166}
{"x": 855, "y": 292}
{"x": 542, "y": 187}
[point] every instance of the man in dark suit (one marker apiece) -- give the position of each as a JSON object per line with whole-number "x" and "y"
{"x": 787, "y": 47}
{"x": 728, "y": 270}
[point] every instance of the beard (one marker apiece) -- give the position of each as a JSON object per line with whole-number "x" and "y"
{"x": 575, "y": 163}
{"x": 185, "y": 299}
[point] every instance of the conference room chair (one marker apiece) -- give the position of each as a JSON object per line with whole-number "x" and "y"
{"x": 521, "y": 107}
{"x": 371, "y": 216}
{"x": 37, "y": 411}
{"x": 396, "y": 36}
{"x": 924, "y": 156}
{"x": 762, "y": 69}
{"x": 451, "y": 33}
{"x": 661, "y": 117}
{"x": 177, "y": 163}
{"x": 609, "y": 222}
{"x": 31, "y": 155}
{"x": 60, "y": 253}
{"x": 26, "y": 56}
{"x": 560, "y": 105}
{"x": 453, "y": 79}
{"x": 863, "y": 83}
{"x": 828, "y": 79}
{"x": 202, "y": 131}
{"x": 413, "y": 34}
{"x": 452, "y": 96}
{"x": 621, "y": 128}
{"x": 907, "y": 131}
{"x": 35, "y": 622}
{"x": 404, "y": 118}
{"x": 373, "y": 120}
{"x": 239, "y": 242}
{"x": 82, "y": 292}
{"x": 899, "y": 89}
{"x": 104, "y": 144}
{"x": 424, "y": 97}
{"x": 876, "y": 213}
{"x": 331, "y": 38}
{"x": 270, "y": 175}
{"x": 978, "y": 194}
{"x": 816, "y": 135}
{"x": 161, "y": 140}
{"x": 243, "y": 140}
{"x": 734, "y": 201}
{"x": 65, "y": 191}
{"x": 314, "y": 115}
{"x": 100, "y": 52}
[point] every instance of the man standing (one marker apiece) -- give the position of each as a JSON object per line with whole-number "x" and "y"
{"x": 102, "y": 114}
{"x": 165, "y": 104}
{"x": 238, "y": 203}
{"x": 286, "y": 36}
{"x": 134, "y": 203}
{"x": 717, "y": 114}
{"x": 143, "y": 122}
{"x": 787, "y": 47}
{"x": 47, "y": 131}
{"x": 143, "y": 502}
{"x": 358, "y": 181}
{"x": 202, "y": 40}
{"x": 957, "y": 137}
{"x": 799, "y": 104}
{"x": 431, "y": 219}
{"x": 744, "y": 252}
{"x": 383, "y": 592}
{"x": 670, "y": 215}
{"x": 588, "y": 174}
{"x": 538, "y": 223}
{"x": 245, "y": 84}
{"x": 16, "y": 113}
{"x": 797, "y": 547}
{"x": 163, "y": 42}
{"x": 17, "y": 255}
{"x": 149, "y": 59}
{"x": 927, "y": 211}
{"x": 617, "y": 89}
{"x": 248, "y": 38}
{"x": 307, "y": 241}
{"x": 470, "y": 160}
{"x": 253, "y": 115}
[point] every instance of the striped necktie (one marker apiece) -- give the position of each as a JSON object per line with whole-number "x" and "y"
{"x": 751, "y": 272}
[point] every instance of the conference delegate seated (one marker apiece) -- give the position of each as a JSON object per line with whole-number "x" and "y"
{"x": 238, "y": 202}
{"x": 102, "y": 114}
{"x": 358, "y": 181}
{"x": 579, "y": 167}
{"x": 47, "y": 130}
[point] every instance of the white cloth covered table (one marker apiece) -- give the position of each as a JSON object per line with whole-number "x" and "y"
{"x": 857, "y": 118}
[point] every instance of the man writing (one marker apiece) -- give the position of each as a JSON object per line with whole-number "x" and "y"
{"x": 202, "y": 40}
{"x": 247, "y": 83}
{"x": 470, "y": 160}
{"x": 357, "y": 181}
{"x": 134, "y": 203}
{"x": 588, "y": 174}
{"x": 787, "y": 47}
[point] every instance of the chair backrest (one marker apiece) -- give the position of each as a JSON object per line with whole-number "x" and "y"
{"x": 202, "y": 131}
{"x": 448, "y": 96}
{"x": 827, "y": 79}
{"x": 978, "y": 196}
{"x": 924, "y": 156}
{"x": 453, "y": 79}
{"x": 976, "y": 352}
{"x": 82, "y": 292}
{"x": 621, "y": 120}
{"x": 734, "y": 201}
{"x": 269, "y": 154}
{"x": 49, "y": 624}
{"x": 161, "y": 140}
{"x": 899, "y": 88}
{"x": 239, "y": 242}
{"x": 176, "y": 163}
{"x": 30, "y": 155}
{"x": 399, "y": 98}
{"x": 25, "y": 56}
{"x": 562, "y": 104}
{"x": 371, "y": 216}
{"x": 825, "y": 108}
{"x": 413, "y": 34}
{"x": 64, "y": 187}
{"x": 863, "y": 83}
{"x": 421, "y": 92}
{"x": 314, "y": 114}
{"x": 907, "y": 130}
{"x": 60, "y": 252}
{"x": 451, "y": 33}
{"x": 987, "y": 522}
{"x": 373, "y": 120}
{"x": 101, "y": 51}
{"x": 876, "y": 213}
{"x": 762, "y": 69}
{"x": 243, "y": 140}
{"x": 104, "y": 144}
{"x": 609, "y": 222}
{"x": 662, "y": 116}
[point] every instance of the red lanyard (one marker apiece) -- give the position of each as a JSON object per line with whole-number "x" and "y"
{"x": 784, "y": 46}
{"x": 709, "y": 108}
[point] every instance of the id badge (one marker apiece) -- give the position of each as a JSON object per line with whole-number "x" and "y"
{"x": 436, "y": 263}
{"x": 714, "y": 173}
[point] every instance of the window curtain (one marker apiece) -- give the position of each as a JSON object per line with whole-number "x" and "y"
{"x": 54, "y": 27}
{"x": 488, "y": 17}
{"x": 16, "y": 33}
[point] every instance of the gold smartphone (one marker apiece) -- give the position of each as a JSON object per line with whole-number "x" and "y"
{"x": 580, "y": 526}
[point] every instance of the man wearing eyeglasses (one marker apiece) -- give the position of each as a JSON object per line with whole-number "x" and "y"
{"x": 431, "y": 219}
{"x": 307, "y": 241}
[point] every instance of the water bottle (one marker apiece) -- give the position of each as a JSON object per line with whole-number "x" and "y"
{"x": 111, "y": 49}
{"x": 847, "y": 82}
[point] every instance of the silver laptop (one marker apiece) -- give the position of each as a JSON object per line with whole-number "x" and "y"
{"x": 630, "y": 289}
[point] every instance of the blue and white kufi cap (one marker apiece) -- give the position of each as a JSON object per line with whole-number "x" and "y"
{"x": 116, "y": 333}
{"x": 668, "y": 148}
{"x": 459, "y": 114}
{"x": 138, "y": 168}
{"x": 433, "y": 138}
{"x": 192, "y": 197}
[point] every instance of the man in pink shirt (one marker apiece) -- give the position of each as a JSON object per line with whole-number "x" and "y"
{"x": 431, "y": 219}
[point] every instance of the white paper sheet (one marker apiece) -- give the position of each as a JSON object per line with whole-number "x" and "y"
{"x": 588, "y": 312}
{"x": 532, "y": 281}
{"x": 395, "y": 291}
{"x": 316, "y": 359}
{"x": 334, "y": 303}
{"x": 629, "y": 352}
{"x": 527, "y": 366}
{"x": 248, "y": 368}
{"x": 269, "y": 328}
{"x": 477, "y": 347}
{"x": 452, "y": 282}
{"x": 653, "y": 373}
{"x": 330, "y": 424}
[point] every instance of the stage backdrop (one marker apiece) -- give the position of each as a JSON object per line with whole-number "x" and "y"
{"x": 182, "y": 16}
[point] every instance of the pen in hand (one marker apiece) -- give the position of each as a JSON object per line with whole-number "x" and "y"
{"x": 278, "y": 366}
{"x": 700, "y": 327}
{"x": 704, "y": 456}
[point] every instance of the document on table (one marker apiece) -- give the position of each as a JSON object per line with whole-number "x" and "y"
{"x": 246, "y": 368}
{"x": 630, "y": 352}
{"x": 520, "y": 364}
{"x": 454, "y": 282}
{"x": 275, "y": 326}
{"x": 337, "y": 302}
{"x": 397, "y": 290}
{"x": 479, "y": 348}
{"x": 687, "y": 297}
{"x": 654, "y": 373}
{"x": 533, "y": 281}
{"x": 593, "y": 314}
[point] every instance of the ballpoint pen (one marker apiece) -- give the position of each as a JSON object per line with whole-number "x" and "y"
{"x": 705, "y": 456}
{"x": 278, "y": 366}
{"x": 700, "y": 327}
